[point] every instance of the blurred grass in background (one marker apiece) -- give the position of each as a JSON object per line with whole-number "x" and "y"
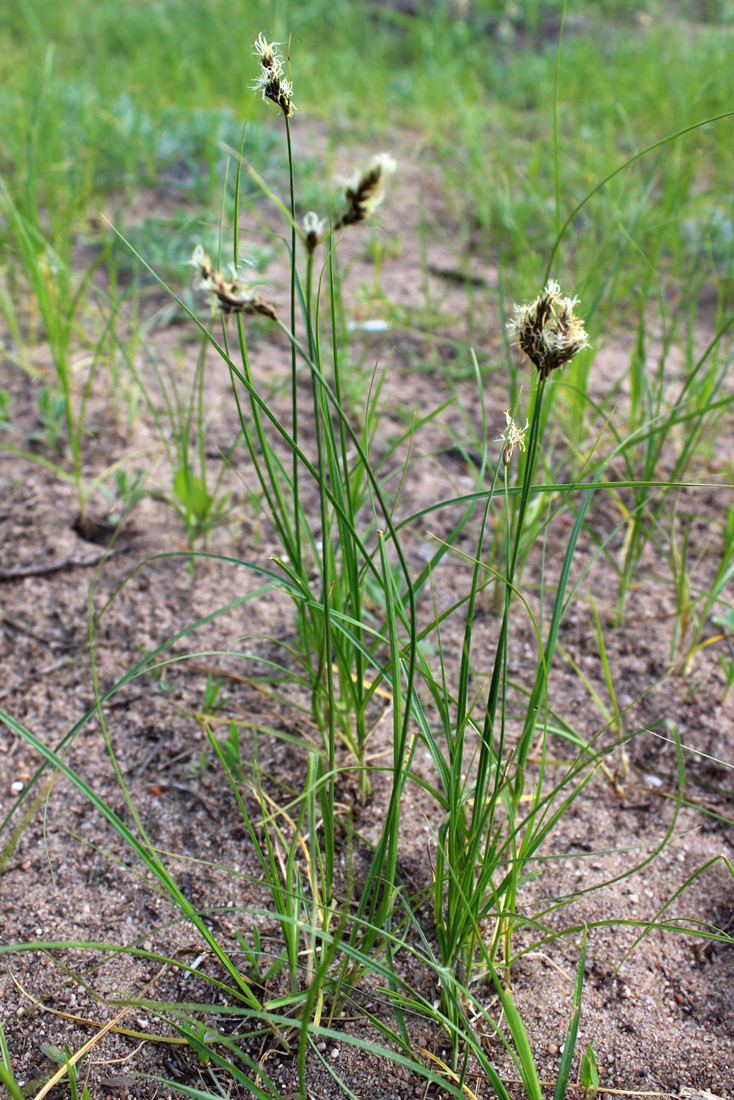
{"x": 102, "y": 98}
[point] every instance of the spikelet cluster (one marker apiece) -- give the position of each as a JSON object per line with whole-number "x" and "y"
{"x": 548, "y": 330}
{"x": 314, "y": 229}
{"x": 228, "y": 295}
{"x": 271, "y": 82}
{"x": 365, "y": 191}
{"x": 512, "y": 437}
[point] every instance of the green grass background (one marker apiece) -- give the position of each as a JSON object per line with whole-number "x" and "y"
{"x": 99, "y": 98}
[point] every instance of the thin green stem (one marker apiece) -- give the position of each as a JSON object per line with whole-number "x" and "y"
{"x": 298, "y": 558}
{"x": 496, "y": 681}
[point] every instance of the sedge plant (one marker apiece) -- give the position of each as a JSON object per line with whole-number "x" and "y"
{"x": 337, "y": 552}
{"x": 360, "y": 654}
{"x": 498, "y": 809}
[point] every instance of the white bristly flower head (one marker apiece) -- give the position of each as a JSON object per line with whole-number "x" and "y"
{"x": 548, "y": 330}
{"x": 271, "y": 82}
{"x": 365, "y": 191}
{"x": 314, "y": 227}
{"x": 512, "y": 437}
{"x": 228, "y": 295}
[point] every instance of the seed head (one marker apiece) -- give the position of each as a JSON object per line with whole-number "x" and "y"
{"x": 228, "y": 295}
{"x": 512, "y": 437}
{"x": 365, "y": 191}
{"x": 314, "y": 227}
{"x": 271, "y": 81}
{"x": 548, "y": 330}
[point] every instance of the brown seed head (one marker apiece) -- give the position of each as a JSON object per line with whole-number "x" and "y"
{"x": 548, "y": 330}
{"x": 365, "y": 191}
{"x": 228, "y": 295}
{"x": 271, "y": 82}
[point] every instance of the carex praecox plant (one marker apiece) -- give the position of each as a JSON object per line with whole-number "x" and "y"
{"x": 354, "y": 651}
{"x": 324, "y": 563}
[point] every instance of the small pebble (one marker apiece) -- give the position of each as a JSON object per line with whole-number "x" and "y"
{"x": 16, "y": 787}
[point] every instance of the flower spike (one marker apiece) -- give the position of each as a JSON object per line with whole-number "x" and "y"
{"x": 271, "y": 82}
{"x": 512, "y": 437}
{"x": 315, "y": 229}
{"x": 365, "y": 191}
{"x": 228, "y": 295}
{"x": 548, "y": 330}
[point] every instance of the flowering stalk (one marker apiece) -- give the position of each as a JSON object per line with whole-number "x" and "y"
{"x": 273, "y": 85}
{"x": 550, "y": 334}
{"x": 504, "y": 926}
{"x": 314, "y": 232}
{"x": 294, "y": 358}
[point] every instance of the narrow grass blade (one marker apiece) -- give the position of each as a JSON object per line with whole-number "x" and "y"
{"x": 564, "y": 1070}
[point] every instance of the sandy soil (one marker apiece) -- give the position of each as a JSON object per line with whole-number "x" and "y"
{"x": 660, "y": 1019}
